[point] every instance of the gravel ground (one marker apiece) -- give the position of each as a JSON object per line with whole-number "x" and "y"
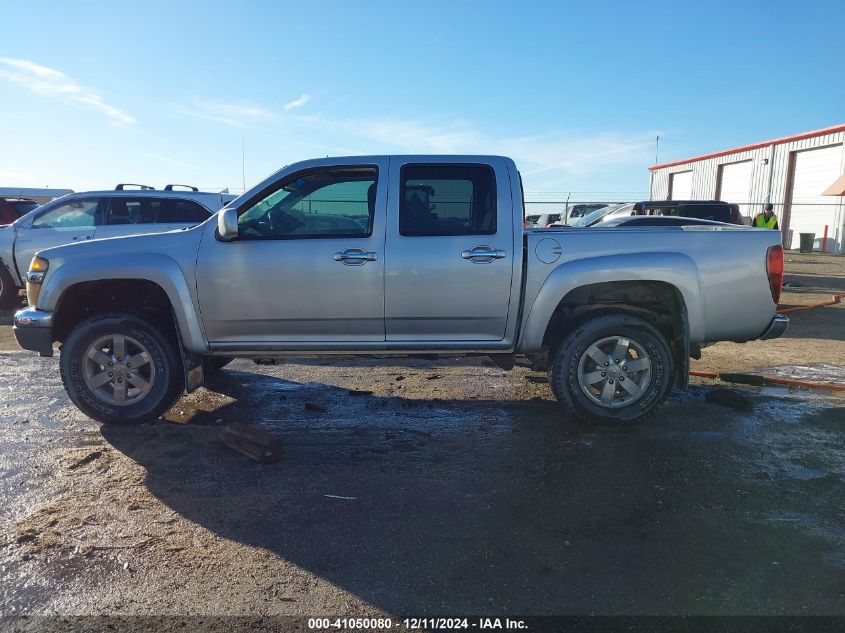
{"x": 453, "y": 488}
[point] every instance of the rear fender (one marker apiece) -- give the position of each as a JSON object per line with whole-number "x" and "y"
{"x": 674, "y": 269}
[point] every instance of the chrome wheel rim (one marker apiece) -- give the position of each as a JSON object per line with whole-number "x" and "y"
{"x": 614, "y": 371}
{"x": 119, "y": 370}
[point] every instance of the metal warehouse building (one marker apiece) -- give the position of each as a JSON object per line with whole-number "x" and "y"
{"x": 790, "y": 172}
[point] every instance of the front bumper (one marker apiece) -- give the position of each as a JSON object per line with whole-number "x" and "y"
{"x": 34, "y": 330}
{"x": 776, "y": 328}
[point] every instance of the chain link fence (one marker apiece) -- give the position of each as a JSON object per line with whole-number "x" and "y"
{"x": 550, "y": 211}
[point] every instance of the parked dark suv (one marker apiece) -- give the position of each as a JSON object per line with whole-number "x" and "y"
{"x": 703, "y": 209}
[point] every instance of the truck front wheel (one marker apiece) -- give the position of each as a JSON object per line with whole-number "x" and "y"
{"x": 614, "y": 369}
{"x": 120, "y": 369}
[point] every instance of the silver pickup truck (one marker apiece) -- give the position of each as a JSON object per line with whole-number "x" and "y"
{"x": 398, "y": 255}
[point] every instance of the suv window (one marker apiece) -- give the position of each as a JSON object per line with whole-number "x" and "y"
{"x": 318, "y": 203}
{"x": 23, "y": 206}
{"x": 447, "y": 200}
{"x": 666, "y": 210}
{"x": 74, "y": 214}
{"x": 718, "y": 212}
{"x": 175, "y": 211}
{"x": 133, "y": 211}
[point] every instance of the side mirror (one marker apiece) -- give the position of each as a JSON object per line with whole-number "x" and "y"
{"x": 227, "y": 224}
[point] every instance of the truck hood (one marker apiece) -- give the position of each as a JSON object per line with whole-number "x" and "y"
{"x": 171, "y": 243}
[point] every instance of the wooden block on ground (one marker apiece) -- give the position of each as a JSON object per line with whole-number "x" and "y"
{"x": 255, "y": 443}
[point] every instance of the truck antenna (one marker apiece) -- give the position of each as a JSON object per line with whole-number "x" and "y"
{"x": 243, "y": 162}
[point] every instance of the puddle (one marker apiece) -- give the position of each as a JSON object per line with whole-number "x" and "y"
{"x": 822, "y": 372}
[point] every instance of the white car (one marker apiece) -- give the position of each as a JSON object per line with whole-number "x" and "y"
{"x": 605, "y": 214}
{"x": 88, "y": 215}
{"x": 541, "y": 221}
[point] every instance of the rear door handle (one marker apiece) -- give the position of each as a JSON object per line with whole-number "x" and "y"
{"x": 483, "y": 254}
{"x": 355, "y": 257}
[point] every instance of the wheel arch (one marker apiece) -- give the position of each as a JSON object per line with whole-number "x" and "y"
{"x": 157, "y": 278}
{"x": 662, "y": 288}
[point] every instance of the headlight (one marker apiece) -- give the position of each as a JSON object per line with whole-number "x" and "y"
{"x": 34, "y": 278}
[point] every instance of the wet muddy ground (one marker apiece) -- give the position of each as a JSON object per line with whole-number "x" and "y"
{"x": 453, "y": 487}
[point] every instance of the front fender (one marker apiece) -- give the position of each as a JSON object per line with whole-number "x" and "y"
{"x": 675, "y": 269}
{"x": 157, "y": 268}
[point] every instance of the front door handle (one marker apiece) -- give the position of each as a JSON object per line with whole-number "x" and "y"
{"x": 483, "y": 254}
{"x": 355, "y": 257}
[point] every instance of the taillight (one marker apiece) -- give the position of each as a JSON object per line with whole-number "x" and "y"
{"x": 774, "y": 266}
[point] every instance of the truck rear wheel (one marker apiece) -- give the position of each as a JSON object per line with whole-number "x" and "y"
{"x": 119, "y": 369}
{"x": 614, "y": 369}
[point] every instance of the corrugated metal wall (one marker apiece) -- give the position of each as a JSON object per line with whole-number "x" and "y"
{"x": 705, "y": 174}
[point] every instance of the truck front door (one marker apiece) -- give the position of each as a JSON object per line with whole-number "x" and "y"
{"x": 307, "y": 268}
{"x": 450, "y": 252}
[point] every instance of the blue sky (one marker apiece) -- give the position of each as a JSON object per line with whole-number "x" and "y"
{"x": 95, "y": 93}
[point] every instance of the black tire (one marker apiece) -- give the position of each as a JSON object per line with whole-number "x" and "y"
{"x": 164, "y": 389}
{"x": 213, "y": 364}
{"x": 8, "y": 289}
{"x": 566, "y": 360}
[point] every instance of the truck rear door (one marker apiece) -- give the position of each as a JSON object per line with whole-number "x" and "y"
{"x": 449, "y": 251}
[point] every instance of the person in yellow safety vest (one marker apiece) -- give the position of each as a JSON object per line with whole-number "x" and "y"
{"x": 767, "y": 219}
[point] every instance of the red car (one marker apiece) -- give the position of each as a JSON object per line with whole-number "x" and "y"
{"x": 13, "y": 208}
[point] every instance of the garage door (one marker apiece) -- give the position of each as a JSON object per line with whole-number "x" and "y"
{"x": 680, "y": 185}
{"x": 735, "y": 185}
{"x": 810, "y": 211}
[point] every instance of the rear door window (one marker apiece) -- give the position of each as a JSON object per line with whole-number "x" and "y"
{"x": 665, "y": 210}
{"x": 125, "y": 210}
{"x": 175, "y": 211}
{"x": 441, "y": 200}
{"x": 718, "y": 212}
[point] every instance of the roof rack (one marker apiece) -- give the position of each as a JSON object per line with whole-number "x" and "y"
{"x": 124, "y": 185}
{"x": 170, "y": 187}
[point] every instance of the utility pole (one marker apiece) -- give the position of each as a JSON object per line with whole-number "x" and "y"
{"x": 656, "y": 147}
{"x": 243, "y": 163}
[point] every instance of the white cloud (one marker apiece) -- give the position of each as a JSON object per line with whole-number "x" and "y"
{"x": 166, "y": 159}
{"x": 16, "y": 175}
{"x": 552, "y": 152}
{"x": 54, "y": 84}
{"x": 297, "y": 103}
{"x": 238, "y": 114}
